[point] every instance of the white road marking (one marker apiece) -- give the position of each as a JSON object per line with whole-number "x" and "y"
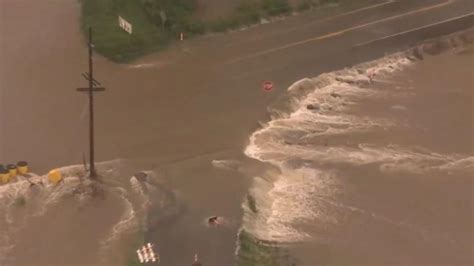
{"x": 337, "y": 33}
{"x": 414, "y": 29}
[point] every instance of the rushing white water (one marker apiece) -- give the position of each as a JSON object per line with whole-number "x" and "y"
{"x": 126, "y": 204}
{"x": 302, "y": 190}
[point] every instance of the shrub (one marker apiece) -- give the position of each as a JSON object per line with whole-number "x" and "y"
{"x": 276, "y": 7}
{"x": 224, "y": 24}
{"x": 305, "y": 5}
{"x": 252, "y": 203}
{"x": 195, "y": 27}
{"x": 248, "y": 12}
{"x": 178, "y": 13}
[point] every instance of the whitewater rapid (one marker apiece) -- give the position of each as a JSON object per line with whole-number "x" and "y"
{"x": 305, "y": 143}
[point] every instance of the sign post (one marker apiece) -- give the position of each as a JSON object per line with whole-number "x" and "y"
{"x": 163, "y": 18}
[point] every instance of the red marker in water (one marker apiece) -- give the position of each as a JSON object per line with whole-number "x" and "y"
{"x": 267, "y": 86}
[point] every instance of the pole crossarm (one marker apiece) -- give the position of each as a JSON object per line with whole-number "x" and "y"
{"x": 94, "y": 89}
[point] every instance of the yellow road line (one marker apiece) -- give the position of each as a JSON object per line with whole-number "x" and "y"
{"x": 337, "y": 33}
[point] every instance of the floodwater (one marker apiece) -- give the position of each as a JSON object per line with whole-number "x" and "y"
{"x": 187, "y": 132}
{"x": 373, "y": 173}
{"x": 149, "y": 119}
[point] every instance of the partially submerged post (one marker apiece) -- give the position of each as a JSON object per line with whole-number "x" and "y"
{"x": 91, "y": 89}
{"x": 196, "y": 261}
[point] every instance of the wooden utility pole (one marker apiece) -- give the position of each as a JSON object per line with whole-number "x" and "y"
{"x": 91, "y": 89}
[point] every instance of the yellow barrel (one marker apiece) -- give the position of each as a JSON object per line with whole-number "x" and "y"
{"x": 22, "y": 167}
{"x": 12, "y": 170}
{"x": 54, "y": 176}
{"x": 4, "y": 175}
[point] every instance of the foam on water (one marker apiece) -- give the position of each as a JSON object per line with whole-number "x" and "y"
{"x": 226, "y": 164}
{"x": 295, "y": 195}
{"x": 287, "y": 200}
{"x": 135, "y": 202}
{"x": 459, "y": 164}
{"x": 148, "y": 65}
{"x": 126, "y": 222}
{"x": 39, "y": 197}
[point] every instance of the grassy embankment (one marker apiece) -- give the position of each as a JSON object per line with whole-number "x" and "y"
{"x": 110, "y": 40}
{"x": 150, "y": 34}
{"x": 254, "y": 252}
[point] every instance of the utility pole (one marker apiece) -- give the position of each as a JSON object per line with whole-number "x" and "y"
{"x": 93, "y": 87}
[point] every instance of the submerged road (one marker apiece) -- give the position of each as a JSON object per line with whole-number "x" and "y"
{"x": 195, "y": 102}
{"x": 187, "y": 81}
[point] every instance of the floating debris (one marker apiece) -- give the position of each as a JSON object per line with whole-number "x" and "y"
{"x": 147, "y": 254}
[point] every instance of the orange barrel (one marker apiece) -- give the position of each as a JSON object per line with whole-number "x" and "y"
{"x": 22, "y": 167}
{"x": 4, "y": 174}
{"x": 12, "y": 170}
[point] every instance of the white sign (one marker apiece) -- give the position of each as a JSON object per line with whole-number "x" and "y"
{"x": 125, "y": 25}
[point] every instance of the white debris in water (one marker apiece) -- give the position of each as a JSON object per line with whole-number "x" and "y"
{"x": 147, "y": 254}
{"x": 226, "y": 164}
{"x": 399, "y": 107}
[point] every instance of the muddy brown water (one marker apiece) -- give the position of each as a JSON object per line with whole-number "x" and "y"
{"x": 175, "y": 123}
{"x": 405, "y": 217}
